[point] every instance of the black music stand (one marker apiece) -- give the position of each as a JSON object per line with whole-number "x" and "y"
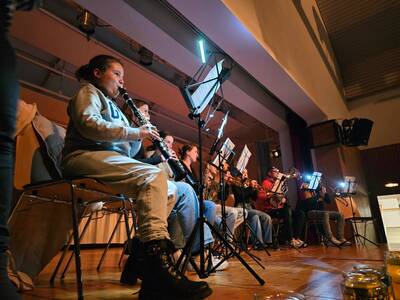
{"x": 225, "y": 155}
{"x": 350, "y": 189}
{"x": 196, "y": 105}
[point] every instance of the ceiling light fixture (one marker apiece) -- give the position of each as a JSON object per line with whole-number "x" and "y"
{"x": 87, "y": 23}
{"x": 391, "y": 184}
{"x": 202, "y": 52}
{"x": 276, "y": 153}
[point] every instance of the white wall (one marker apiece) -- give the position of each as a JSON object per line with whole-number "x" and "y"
{"x": 390, "y": 211}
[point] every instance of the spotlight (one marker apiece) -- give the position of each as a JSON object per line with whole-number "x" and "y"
{"x": 342, "y": 184}
{"x": 87, "y": 22}
{"x": 275, "y": 153}
{"x": 202, "y": 53}
{"x": 391, "y": 184}
{"x": 307, "y": 177}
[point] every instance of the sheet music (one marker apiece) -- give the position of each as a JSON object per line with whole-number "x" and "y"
{"x": 314, "y": 181}
{"x": 350, "y": 185}
{"x": 243, "y": 159}
{"x": 210, "y": 87}
{"x": 277, "y": 187}
{"x": 225, "y": 152}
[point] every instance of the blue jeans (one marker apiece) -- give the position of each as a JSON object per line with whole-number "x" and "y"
{"x": 233, "y": 218}
{"x": 261, "y": 224}
{"x": 184, "y": 215}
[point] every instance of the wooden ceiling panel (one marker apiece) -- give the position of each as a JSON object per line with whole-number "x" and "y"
{"x": 365, "y": 36}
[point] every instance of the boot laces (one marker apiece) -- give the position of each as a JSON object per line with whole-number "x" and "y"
{"x": 168, "y": 265}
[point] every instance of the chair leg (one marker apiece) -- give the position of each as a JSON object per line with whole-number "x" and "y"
{"x": 276, "y": 234}
{"x": 127, "y": 227}
{"x": 61, "y": 259}
{"x": 320, "y": 237}
{"x": 80, "y": 238}
{"x": 125, "y": 247}
{"x": 76, "y": 243}
{"x": 306, "y": 232}
{"x": 109, "y": 242}
{"x": 133, "y": 228}
{"x": 365, "y": 232}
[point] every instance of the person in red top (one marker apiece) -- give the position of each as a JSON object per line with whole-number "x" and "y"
{"x": 276, "y": 206}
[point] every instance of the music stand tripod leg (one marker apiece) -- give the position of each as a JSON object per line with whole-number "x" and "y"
{"x": 356, "y": 235}
{"x": 200, "y": 227}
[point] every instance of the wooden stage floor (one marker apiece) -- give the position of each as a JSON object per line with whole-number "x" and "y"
{"x": 315, "y": 272}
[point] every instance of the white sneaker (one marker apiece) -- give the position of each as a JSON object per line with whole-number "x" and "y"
{"x": 301, "y": 243}
{"x": 223, "y": 266}
{"x": 295, "y": 244}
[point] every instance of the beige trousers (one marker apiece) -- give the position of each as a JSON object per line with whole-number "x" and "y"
{"x": 155, "y": 196}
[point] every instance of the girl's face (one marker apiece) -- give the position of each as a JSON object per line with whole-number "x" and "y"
{"x": 111, "y": 79}
{"x": 193, "y": 154}
{"x": 144, "y": 109}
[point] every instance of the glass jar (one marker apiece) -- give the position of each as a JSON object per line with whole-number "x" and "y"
{"x": 383, "y": 276}
{"x": 357, "y": 286}
{"x": 392, "y": 262}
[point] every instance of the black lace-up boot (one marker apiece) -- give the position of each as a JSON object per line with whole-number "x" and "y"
{"x": 161, "y": 280}
{"x": 134, "y": 266}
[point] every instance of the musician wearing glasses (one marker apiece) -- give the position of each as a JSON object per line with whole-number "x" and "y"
{"x": 276, "y": 206}
{"x": 100, "y": 143}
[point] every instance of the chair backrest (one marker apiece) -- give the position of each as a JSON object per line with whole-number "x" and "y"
{"x": 39, "y": 143}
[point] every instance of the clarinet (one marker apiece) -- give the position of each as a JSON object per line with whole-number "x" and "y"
{"x": 176, "y": 166}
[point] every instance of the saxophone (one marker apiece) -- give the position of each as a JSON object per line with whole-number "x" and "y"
{"x": 176, "y": 166}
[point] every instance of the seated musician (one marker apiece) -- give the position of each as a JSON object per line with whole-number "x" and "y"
{"x": 245, "y": 193}
{"x": 185, "y": 213}
{"x": 99, "y": 144}
{"x": 189, "y": 155}
{"x": 312, "y": 202}
{"x": 276, "y": 206}
{"x": 183, "y": 217}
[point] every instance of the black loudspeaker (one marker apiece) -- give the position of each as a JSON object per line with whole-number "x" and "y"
{"x": 356, "y": 131}
{"x": 324, "y": 134}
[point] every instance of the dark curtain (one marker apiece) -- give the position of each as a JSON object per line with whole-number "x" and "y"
{"x": 264, "y": 159}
